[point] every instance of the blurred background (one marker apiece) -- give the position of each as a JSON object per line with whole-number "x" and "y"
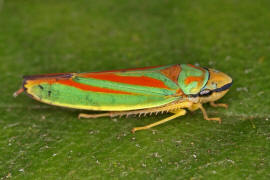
{"x": 38, "y": 141}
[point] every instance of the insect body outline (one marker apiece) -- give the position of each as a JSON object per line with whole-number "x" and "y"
{"x": 173, "y": 88}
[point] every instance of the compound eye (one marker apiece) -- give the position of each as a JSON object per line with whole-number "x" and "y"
{"x": 205, "y": 92}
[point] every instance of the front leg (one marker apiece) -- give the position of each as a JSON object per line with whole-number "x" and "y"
{"x": 213, "y": 104}
{"x": 199, "y": 106}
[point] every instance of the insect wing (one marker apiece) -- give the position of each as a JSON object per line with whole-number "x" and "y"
{"x": 112, "y": 91}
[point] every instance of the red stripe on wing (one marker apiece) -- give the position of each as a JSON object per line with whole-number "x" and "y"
{"x": 69, "y": 82}
{"x": 90, "y": 88}
{"x": 132, "y": 80}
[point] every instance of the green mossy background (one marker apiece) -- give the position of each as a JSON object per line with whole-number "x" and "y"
{"x": 38, "y": 141}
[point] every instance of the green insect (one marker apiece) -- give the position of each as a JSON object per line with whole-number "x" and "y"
{"x": 173, "y": 88}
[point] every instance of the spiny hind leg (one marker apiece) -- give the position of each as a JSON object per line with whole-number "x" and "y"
{"x": 139, "y": 112}
{"x": 179, "y": 112}
{"x": 213, "y": 104}
{"x": 119, "y": 113}
{"x": 200, "y": 106}
{"x": 109, "y": 114}
{"x": 124, "y": 113}
{"x": 83, "y": 115}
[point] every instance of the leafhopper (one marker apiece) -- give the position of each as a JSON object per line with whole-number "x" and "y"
{"x": 151, "y": 90}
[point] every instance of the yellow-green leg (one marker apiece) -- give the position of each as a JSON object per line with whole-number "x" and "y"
{"x": 219, "y": 105}
{"x": 179, "y": 112}
{"x": 199, "y": 106}
{"x": 138, "y": 112}
{"x": 82, "y": 115}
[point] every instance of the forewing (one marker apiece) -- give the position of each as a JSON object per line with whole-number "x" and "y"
{"x": 110, "y": 91}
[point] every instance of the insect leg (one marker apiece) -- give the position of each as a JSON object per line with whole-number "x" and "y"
{"x": 82, "y": 115}
{"x": 178, "y": 113}
{"x": 219, "y": 105}
{"x": 199, "y": 106}
{"x": 156, "y": 110}
{"x": 115, "y": 113}
{"x": 18, "y": 92}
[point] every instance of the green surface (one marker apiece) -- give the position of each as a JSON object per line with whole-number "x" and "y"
{"x": 38, "y": 141}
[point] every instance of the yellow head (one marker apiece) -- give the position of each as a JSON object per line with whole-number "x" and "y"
{"x": 216, "y": 87}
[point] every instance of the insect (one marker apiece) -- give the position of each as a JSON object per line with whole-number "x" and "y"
{"x": 173, "y": 88}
